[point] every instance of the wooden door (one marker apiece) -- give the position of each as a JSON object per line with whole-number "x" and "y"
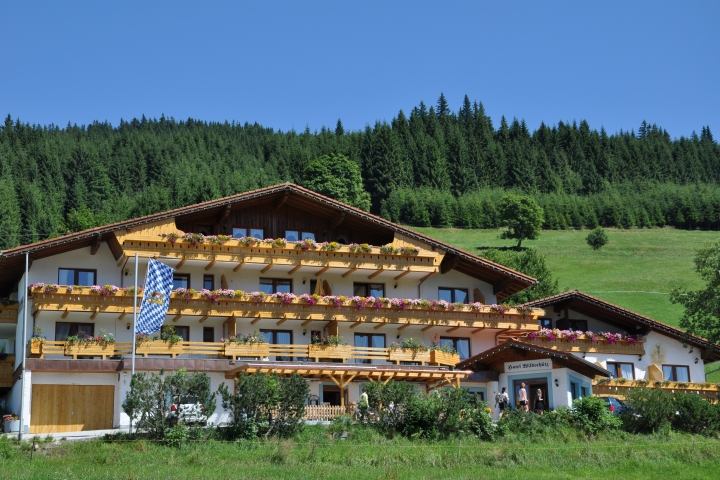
{"x": 71, "y": 408}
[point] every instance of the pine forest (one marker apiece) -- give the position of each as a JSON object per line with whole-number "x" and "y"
{"x": 433, "y": 167}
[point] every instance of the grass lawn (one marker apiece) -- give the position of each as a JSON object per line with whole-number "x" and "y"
{"x": 618, "y": 456}
{"x": 636, "y": 269}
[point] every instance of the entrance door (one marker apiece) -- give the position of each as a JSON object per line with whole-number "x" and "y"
{"x": 331, "y": 394}
{"x": 531, "y": 386}
{"x": 71, "y": 408}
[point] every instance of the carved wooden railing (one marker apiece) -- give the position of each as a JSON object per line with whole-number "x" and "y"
{"x": 619, "y": 386}
{"x": 258, "y": 351}
{"x": 601, "y": 345}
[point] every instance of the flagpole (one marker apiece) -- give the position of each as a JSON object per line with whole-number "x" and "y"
{"x": 26, "y": 296}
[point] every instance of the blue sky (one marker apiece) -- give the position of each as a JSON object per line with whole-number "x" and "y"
{"x": 296, "y": 64}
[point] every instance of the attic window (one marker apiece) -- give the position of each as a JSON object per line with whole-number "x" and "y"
{"x": 239, "y": 232}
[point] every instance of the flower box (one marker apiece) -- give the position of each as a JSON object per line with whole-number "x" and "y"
{"x": 159, "y": 347}
{"x": 90, "y": 350}
{"x": 36, "y": 348}
{"x": 12, "y": 426}
{"x": 409, "y": 355}
{"x": 438, "y": 357}
{"x": 586, "y": 345}
{"x": 256, "y": 350}
{"x": 335, "y": 352}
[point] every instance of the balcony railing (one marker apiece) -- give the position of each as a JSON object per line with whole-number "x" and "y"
{"x": 601, "y": 345}
{"x": 330, "y": 308}
{"x": 9, "y": 313}
{"x": 7, "y": 367}
{"x": 232, "y": 251}
{"x": 619, "y": 386}
{"x": 258, "y": 351}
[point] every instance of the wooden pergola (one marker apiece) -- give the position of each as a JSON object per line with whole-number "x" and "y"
{"x": 342, "y": 374}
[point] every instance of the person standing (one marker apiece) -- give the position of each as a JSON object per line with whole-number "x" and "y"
{"x": 501, "y": 400}
{"x": 523, "y": 397}
{"x": 363, "y": 406}
{"x": 539, "y": 402}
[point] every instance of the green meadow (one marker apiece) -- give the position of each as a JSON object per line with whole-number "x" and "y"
{"x": 636, "y": 270}
{"x": 315, "y": 455}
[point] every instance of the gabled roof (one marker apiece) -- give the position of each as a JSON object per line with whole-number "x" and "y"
{"x": 516, "y": 350}
{"x": 505, "y": 280}
{"x": 602, "y": 310}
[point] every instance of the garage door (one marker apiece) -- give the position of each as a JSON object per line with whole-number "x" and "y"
{"x": 71, "y": 408}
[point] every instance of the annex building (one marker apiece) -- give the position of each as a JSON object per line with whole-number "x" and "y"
{"x": 289, "y": 265}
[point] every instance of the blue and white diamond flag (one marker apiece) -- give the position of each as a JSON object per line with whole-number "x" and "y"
{"x": 156, "y": 298}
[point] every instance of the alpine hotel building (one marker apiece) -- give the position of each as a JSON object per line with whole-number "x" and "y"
{"x": 420, "y": 288}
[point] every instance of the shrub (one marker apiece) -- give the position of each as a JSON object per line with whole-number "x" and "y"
{"x": 597, "y": 238}
{"x": 649, "y": 410}
{"x": 147, "y": 401}
{"x": 592, "y": 415}
{"x": 695, "y": 415}
{"x": 268, "y": 405}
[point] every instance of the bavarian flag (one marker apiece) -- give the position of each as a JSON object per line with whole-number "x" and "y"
{"x": 156, "y": 298}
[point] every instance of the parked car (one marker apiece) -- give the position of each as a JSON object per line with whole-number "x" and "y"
{"x": 615, "y": 405}
{"x": 188, "y": 410}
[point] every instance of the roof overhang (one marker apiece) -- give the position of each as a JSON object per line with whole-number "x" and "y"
{"x": 505, "y": 281}
{"x": 514, "y": 350}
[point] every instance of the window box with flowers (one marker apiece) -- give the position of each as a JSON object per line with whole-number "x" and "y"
{"x": 36, "y": 342}
{"x": 169, "y": 343}
{"x": 251, "y": 345}
{"x": 102, "y": 345}
{"x": 580, "y": 341}
{"x": 330, "y": 347}
{"x": 442, "y": 354}
{"x": 409, "y": 350}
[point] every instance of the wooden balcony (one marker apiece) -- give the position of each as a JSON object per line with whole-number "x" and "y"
{"x": 9, "y": 313}
{"x": 618, "y": 387}
{"x": 261, "y": 351}
{"x": 589, "y": 346}
{"x": 423, "y": 264}
{"x": 7, "y": 367}
{"x": 68, "y": 301}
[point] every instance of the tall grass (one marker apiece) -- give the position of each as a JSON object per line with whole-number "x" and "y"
{"x": 366, "y": 454}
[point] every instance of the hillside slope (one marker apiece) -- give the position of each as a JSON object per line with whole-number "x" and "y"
{"x": 636, "y": 270}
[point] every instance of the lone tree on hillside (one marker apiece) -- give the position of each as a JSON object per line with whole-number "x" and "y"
{"x": 597, "y": 238}
{"x": 338, "y": 177}
{"x": 702, "y": 307}
{"x": 522, "y": 216}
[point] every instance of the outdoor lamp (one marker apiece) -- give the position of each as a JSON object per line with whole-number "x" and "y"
{"x": 557, "y": 382}
{"x": 696, "y": 360}
{"x": 640, "y": 358}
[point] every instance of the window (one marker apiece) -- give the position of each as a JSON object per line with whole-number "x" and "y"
{"x": 574, "y": 390}
{"x": 67, "y": 329}
{"x": 578, "y": 325}
{"x": 545, "y": 322}
{"x": 209, "y": 282}
{"x": 622, "y": 370}
{"x": 184, "y": 332}
{"x": 461, "y": 345}
{"x": 369, "y": 340}
{"x": 239, "y": 232}
{"x": 676, "y": 373}
{"x": 208, "y": 334}
{"x": 275, "y": 285}
{"x": 369, "y": 289}
{"x": 453, "y": 295}
{"x": 278, "y": 337}
{"x": 77, "y": 276}
{"x": 295, "y": 235}
{"x": 181, "y": 280}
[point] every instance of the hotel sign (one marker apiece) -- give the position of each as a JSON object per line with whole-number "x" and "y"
{"x": 527, "y": 365}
